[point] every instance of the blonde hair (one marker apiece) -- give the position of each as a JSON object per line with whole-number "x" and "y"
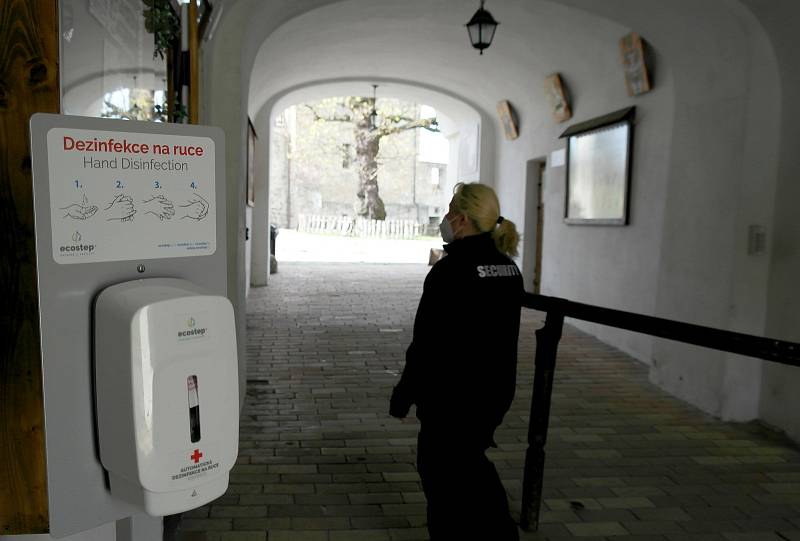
{"x": 480, "y": 204}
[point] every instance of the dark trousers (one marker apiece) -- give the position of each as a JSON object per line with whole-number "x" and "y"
{"x": 466, "y": 499}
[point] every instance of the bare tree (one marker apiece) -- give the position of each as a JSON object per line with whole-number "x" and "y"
{"x": 141, "y": 106}
{"x": 368, "y": 130}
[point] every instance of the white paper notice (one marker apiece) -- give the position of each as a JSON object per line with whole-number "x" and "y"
{"x": 117, "y": 196}
{"x": 558, "y": 158}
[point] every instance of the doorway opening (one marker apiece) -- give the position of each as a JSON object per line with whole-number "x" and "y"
{"x": 355, "y": 179}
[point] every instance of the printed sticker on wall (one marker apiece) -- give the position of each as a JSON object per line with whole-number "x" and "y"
{"x": 130, "y": 196}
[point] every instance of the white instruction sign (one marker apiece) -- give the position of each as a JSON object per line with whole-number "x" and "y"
{"x": 117, "y": 196}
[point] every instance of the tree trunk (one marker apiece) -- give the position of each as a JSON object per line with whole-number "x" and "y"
{"x": 369, "y": 204}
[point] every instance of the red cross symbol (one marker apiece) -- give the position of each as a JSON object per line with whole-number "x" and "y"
{"x": 196, "y": 456}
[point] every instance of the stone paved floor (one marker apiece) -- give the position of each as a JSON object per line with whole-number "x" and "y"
{"x": 320, "y": 460}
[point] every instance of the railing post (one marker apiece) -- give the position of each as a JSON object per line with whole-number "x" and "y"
{"x": 547, "y": 339}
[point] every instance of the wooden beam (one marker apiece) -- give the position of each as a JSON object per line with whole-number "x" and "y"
{"x": 28, "y": 84}
{"x": 194, "y": 65}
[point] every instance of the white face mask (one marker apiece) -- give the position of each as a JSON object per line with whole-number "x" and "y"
{"x": 446, "y": 230}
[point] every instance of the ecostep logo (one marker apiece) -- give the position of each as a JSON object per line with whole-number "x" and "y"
{"x": 191, "y": 330}
{"x": 77, "y": 248}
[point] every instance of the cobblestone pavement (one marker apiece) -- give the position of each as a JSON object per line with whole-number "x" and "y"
{"x": 320, "y": 460}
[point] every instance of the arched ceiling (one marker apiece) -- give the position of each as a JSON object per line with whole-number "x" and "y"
{"x": 288, "y": 46}
{"x": 424, "y": 43}
{"x": 292, "y": 43}
{"x": 451, "y": 112}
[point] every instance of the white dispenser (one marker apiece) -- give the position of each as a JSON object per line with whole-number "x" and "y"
{"x": 166, "y": 382}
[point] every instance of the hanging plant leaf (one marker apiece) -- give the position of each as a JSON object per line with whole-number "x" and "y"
{"x": 161, "y": 21}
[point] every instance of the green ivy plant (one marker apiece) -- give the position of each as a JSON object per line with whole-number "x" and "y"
{"x": 180, "y": 111}
{"x": 161, "y": 21}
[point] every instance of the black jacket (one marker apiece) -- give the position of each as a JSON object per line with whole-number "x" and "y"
{"x": 461, "y": 365}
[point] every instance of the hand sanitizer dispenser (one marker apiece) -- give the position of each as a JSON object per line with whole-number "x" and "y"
{"x": 167, "y": 393}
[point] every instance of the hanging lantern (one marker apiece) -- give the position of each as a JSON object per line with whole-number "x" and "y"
{"x": 481, "y": 28}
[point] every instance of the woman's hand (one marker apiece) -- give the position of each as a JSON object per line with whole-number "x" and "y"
{"x": 398, "y": 405}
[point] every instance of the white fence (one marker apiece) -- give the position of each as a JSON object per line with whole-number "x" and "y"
{"x": 359, "y": 227}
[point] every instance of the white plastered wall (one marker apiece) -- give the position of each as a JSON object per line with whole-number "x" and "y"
{"x": 721, "y": 178}
{"x": 779, "y": 400}
{"x": 259, "y": 234}
{"x": 723, "y": 162}
{"x": 224, "y": 105}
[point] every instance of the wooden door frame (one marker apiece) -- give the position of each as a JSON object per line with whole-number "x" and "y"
{"x": 537, "y": 269}
{"x": 29, "y": 83}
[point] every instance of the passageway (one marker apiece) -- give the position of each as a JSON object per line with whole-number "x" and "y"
{"x": 320, "y": 459}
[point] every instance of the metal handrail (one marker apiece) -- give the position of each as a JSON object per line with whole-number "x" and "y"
{"x": 547, "y": 339}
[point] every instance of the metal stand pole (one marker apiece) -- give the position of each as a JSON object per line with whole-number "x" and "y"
{"x": 547, "y": 339}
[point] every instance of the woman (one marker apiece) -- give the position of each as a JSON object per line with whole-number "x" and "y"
{"x": 460, "y": 368}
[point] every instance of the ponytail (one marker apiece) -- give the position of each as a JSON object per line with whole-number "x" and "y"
{"x": 506, "y": 237}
